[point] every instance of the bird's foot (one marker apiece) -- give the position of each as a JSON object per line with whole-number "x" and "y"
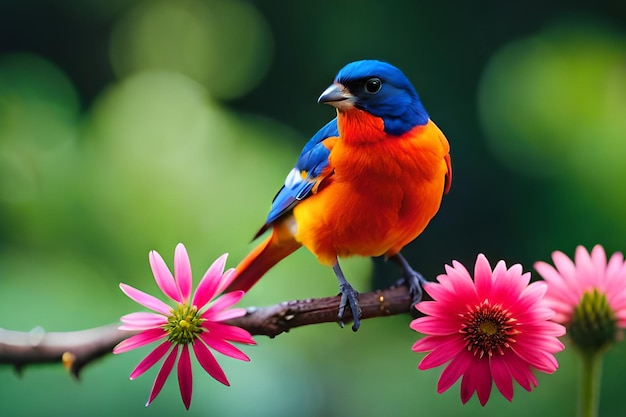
{"x": 412, "y": 279}
{"x": 349, "y": 298}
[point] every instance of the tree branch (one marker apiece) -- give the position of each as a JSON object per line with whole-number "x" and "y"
{"x": 279, "y": 318}
{"x": 73, "y": 349}
{"x": 79, "y": 348}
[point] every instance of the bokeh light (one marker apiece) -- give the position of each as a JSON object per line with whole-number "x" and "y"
{"x": 223, "y": 44}
{"x": 38, "y": 121}
{"x": 553, "y": 104}
{"x": 553, "y": 107}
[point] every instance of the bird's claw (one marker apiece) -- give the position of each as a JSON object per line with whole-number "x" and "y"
{"x": 413, "y": 279}
{"x": 349, "y": 297}
{"x": 415, "y": 282}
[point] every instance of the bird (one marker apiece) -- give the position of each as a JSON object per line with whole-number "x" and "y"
{"x": 366, "y": 184}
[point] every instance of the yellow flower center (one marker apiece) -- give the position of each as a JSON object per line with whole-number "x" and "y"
{"x": 487, "y": 329}
{"x": 183, "y": 325}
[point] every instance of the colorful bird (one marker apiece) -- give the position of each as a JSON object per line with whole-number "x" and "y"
{"x": 367, "y": 183}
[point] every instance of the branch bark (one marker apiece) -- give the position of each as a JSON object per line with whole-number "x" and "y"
{"x": 76, "y": 349}
{"x": 279, "y": 318}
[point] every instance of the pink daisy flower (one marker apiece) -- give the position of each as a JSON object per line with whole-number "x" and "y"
{"x": 195, "y": 322}
{"x": 494, "y": 328}
{"x": 588, "y": 295}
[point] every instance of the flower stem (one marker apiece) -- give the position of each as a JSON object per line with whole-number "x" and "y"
{"x": 590, "y": 383}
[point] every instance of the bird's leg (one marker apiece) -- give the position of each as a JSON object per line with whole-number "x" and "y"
{"x": 413, "y": 279}
{"x": 349, "y": 297}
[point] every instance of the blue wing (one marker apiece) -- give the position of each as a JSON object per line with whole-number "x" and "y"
{"x": 304, "y": 176}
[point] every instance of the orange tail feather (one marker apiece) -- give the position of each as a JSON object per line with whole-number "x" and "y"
{"x": 268, "y": 253}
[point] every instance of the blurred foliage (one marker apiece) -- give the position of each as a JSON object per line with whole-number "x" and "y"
{"x": 133, "y": 125}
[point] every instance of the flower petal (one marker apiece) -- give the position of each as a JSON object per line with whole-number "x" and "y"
{"x": 185, "y": 381}
{"x": 207, "y": 288}
{"x": 508, "y": 284}
{"x": 435, "y": 326}
{"x": 483, "y": 277}
{"x": 428, "y": 343}
{"x": 543, "y": 361}
{"x": 142, "y": 321}
{"x": 163, "y": 277}
{"x": 598, "y": 264}
{"x": 182, "y": 273}
{"x": 227, "y": 278}
{"x": 222, "y": 303}
{"x": 223, "y": 347}
{"x": 441, "y": 309}
{"x": 164, "y": 372}
{"x": 208, "y": 362}
{"x": 585, "y": 269}
{"x": 230, "y": 333}
{"x": 441, "y": 354}
{"x": 152, "y": 358}
{"x": 231, "y": 313}
{"x": 559, "y": 289}
{"x": 454, "y": 370}
{"x": 502, "y": 376}
{"x": 477, "y": 378}
{"x": 520, "y": 371}
{"x": 139, "y": 340}
{"x": 566, "y": 269}
{"x": 146, "y": 300}
{"x": 460, "y": 282}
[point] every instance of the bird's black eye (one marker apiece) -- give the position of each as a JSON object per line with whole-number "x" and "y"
{"x": 373, "y": 85}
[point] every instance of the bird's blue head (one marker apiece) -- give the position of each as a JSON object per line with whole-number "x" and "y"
{"x": 380, "y": 89}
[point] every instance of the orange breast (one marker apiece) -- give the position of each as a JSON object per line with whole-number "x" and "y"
{"x": 383, "y": 193}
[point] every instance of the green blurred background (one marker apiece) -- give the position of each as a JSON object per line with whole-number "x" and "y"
{"x": 130, "y": 125}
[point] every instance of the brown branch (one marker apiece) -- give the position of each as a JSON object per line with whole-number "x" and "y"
{"x": 73, "y": 349}
{"x": 79, "y": 348}
{"x": 279, "y": 318}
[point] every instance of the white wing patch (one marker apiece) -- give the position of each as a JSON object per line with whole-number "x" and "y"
{"x": 293, "y": 178}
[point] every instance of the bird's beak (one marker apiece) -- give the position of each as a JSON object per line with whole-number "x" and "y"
{"x": 336, "y": 95}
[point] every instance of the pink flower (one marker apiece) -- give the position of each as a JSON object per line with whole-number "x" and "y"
{"x": 494, "y": 328}
{"x": 588, "y": 295}
{"x": 196, "y": 321}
